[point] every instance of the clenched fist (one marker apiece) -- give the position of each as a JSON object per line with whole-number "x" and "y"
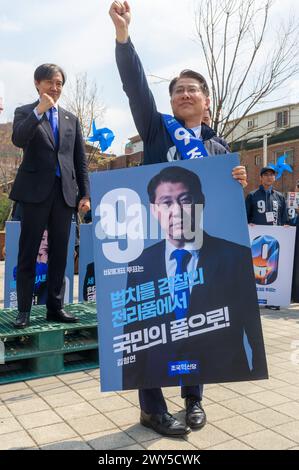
{"x": 240, "y": 174}
{"x": 46, "y": 102}
{"x": 84, "y": 205}
{"x": 121, "y": 16}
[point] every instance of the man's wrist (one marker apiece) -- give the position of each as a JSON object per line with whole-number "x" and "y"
{"x": 37, "y": 113}
{"x": 122, "y": 35}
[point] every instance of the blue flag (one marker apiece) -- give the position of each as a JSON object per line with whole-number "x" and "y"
{"x": 103, "y": 136}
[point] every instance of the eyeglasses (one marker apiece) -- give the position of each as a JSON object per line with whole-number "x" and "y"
{"x": 191, "y": 90}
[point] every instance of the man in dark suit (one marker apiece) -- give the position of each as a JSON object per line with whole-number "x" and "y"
{"x": 216, "y": 311}
{"x": 53, "y": 167}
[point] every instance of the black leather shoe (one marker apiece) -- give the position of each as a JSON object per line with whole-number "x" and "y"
{"x": 61, "y": 316}
{"x": 22, "y": 320}
{"x": 273, "y": 307}
{"x": 195, "y": 415}
{"x": 164, "y": 424}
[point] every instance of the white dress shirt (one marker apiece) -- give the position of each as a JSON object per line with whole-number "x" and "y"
{"x": 55, "y": 112}
{"x": 171, "y": 264}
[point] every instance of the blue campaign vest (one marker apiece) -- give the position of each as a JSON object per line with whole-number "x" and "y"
{"x": 187, "y": 144}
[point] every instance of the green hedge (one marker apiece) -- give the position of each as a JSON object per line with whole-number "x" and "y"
{"x": 5, "y": 205}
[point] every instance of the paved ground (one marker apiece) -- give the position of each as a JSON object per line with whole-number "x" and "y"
{"x": 69, "y": 412}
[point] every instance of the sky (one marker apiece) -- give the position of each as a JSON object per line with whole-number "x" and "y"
{"x": 80, "y": 37}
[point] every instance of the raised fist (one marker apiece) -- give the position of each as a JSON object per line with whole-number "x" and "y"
{"x": 46, "y": 102}
{"x": 121, "y": 16}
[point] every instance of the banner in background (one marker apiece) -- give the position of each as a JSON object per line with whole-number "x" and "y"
{"x": 273, "y": 257}
{"x": 87, "y": 286}
{"x": 12, "y": 234}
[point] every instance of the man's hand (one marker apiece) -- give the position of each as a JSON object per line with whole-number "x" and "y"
{"x": 121, "y": 16}
{"x": 46, "y": 102}
{"x": 84, "y": 205}
{"x": 239, "y": 173}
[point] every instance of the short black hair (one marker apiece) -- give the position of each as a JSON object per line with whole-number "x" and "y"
{"x": 47, "y": 71}
{"x": 177, "y": 174}
{"x": 191, "y": 74}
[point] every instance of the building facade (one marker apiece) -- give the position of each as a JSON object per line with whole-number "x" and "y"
{"x": 263, "y": 137}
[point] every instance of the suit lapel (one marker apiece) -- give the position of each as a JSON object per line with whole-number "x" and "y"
{"x": 63, "y": 122}
{"x": 47, "y": 127}
{"x": 161, "y": 256}
{"x": 45, "y": 124}
{"x": 204, "y": 261}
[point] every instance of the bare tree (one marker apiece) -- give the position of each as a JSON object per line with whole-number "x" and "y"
{"x": 82, "y": 99}
{"x": 243, "y": 71}
{"x": 8, "y": 169}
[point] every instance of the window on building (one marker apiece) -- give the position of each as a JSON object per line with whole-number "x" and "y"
{"x": 288, "y": 153}
{"x": 251, "y": 123}
{"x": 258, "y": 160}
{"x": 282, "y": 118}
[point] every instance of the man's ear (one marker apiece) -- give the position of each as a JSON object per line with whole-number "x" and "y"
{"x": 208, "y": 102}
{"x": 170, "y": 101}
{"x": 36, "y": 83}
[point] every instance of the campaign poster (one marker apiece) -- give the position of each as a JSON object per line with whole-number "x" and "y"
{"x": 12, "y": 234}
{"x": 177, "y": 303}
{"x": 87, "y": 285}
{"x": 273, "y": 256}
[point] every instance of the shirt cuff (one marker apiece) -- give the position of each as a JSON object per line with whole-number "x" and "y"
{"x": 39, "y": 116}
{"x": 123, "y": 44}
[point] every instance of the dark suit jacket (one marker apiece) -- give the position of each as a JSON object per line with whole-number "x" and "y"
{"x": 228, "y": 281}
{"x": 36, "y": 174}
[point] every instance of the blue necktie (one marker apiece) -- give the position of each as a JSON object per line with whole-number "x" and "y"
{"x": 54, "y": 125}
{"x": 182, "y": 258}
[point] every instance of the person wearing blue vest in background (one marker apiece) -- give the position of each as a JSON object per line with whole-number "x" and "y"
{"x": 266, "y": 206}
{"x": 45, "y": 187}
{"x": 167, "y": 138}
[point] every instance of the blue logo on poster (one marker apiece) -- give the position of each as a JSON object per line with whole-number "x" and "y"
{"x": 183, "y": 367}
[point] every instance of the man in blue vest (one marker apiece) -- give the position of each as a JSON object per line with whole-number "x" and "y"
{"x": 266, "y": 206}
{"x": 189, "y": 97}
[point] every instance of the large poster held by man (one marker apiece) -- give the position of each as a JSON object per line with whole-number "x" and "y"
{"x": 177, "y": 303}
